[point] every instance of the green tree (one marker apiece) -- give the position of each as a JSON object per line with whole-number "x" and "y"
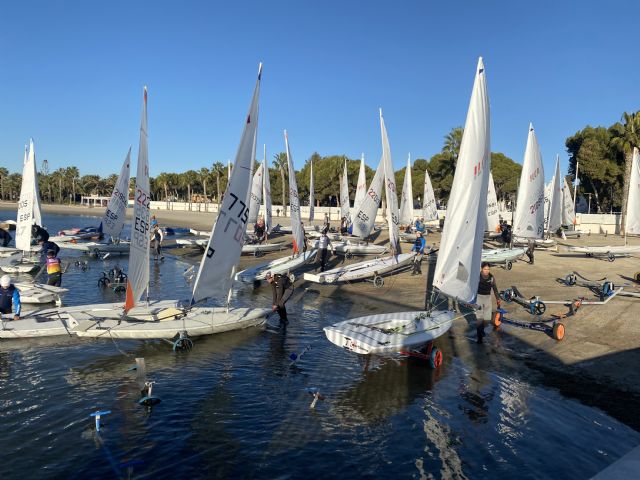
{"x": 452, "y": 142}
{"x": 626, "y": 137}
{"x": 280, "y": 162}
{"x": 4, "y": 173}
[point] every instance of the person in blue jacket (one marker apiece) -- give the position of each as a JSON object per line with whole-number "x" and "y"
{"x": 418, "y": 247}
{"x": 9, "y": 297}
{"x": 420, "y": 225}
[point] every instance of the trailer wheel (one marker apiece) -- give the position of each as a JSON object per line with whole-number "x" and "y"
{"x": 507, "y": 295}
{"x": 435, "y": 359}
{"x": 292, "y": 277}
{"x": 611, "y": 257}
{"x": 258, "y": 253}
{"x": 637, "y": 276}
{"x": 570, "y": 279}
{"x": 539, "y": 307}
{"x": 103, "y": 282}
{"x": 558, "y": 331}
{"x": 348, "y": 255}
{"x": 378, "y": 281}
{"x": 509, "y": 265}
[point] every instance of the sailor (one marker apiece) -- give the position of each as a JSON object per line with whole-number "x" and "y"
{"x": 157, "y": 236}
{"x": 344, "y": 226}
{"x": 506, "y": 234}
{"x": 46, "y": 245}
{"x": 39, "y": 233}
{"x": 259, "y": 231}
{"x": 420, "y": 225}
{"x": 323, "y": 244}
{"x": 531, "y": 246}
{"x": 327, "y": 223}
{"x": 9, "y": 297}
{"x": 5, "y": 237}
{"x": 305, "y": 240}
{"x": 279, "y": 285}
{"x": 154, "y": 221}
{"x": 54, "y": 269}
{"x": 418, "y": 247}
{"x": 485, "y": 286}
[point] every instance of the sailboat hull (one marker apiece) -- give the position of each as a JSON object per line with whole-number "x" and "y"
{"x": 500, "y": 255}
{"x": 279, "y": 266}
{"x": 389, "y": 332}
{"x": 362, "y": 270}
{"x": 353, "y": 248}
{"x": 38, "y": 293}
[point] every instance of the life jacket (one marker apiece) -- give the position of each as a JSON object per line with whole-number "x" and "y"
{"x": 323, "y": 242}
{"x": 6, "y": 298}
{"x": 53, "y": 265}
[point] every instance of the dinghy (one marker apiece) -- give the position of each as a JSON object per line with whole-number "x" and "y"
{"x": 504, "y": 256}
{"x": 373, "y": 269}
{"x": 40, "y": 293}
{"x": 95, "y": 248}
{"x": 458, "y": 265}
{"x": 351, "y": 248}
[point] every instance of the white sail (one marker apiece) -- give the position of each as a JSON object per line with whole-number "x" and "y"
{"x": 25, "y": 218}
{"x": 266, "y": 191}
{"x": 547, "y": 199}
{"x": 311, "y": 192}
{"x": 568, "y": 210}
{"x": 138, "y": 274}
{"x": 294, "y": 202}
{"x": 366, "y": 211}
{"x": 361, "y": 187}
{"x": 345, "y": 209}
{"x": 529, "y": 219}
{"x": 37, "y": 209}
{"x": 114, "y": 217}
{"x": 256, "y": 195}
{"x": 406, "y": 203}
{"x": 493, "y": 217}
{"x": 632, "y": 223}
{"x": 390, "y": 190}
{"x": 554, "y": 220}
{"x": 227, "y": 236}
{"x": 458, "y": 267}
{"x": 429, "y": 207}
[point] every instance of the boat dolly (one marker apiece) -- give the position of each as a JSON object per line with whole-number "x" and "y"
{"x": 605, "y": 290}
{"x": 535, "y": 306}
{"x": 556, "y": 330}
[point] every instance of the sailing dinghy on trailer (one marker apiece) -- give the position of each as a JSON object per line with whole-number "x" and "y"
{"x": 458, "y": 266}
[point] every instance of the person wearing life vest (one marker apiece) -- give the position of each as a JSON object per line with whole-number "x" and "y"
{"x": 54, "y": 269}
{"x": 157, "y": 237}
{"x": 418, "y": 247}
{"x": 9, "y": 297}
{"x": 47, "y": 245}
{"x": 323, "y": 245}
{"x": 486, "y": 285}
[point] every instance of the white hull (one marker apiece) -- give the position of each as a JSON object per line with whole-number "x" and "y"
{"x": 605, "y": 250}
{"x": 389, "y": 332}
{"x": 264, "y": 247}
{"x": 332, "y": 236}
{"x": 39, "y": 293}
{"x": 500, "y": 255}
{"x": 200, "y": 242}
{"x": 96, "y": 247}
{"x": 362, "y": 270}
{"x": 279, "y": 265}
{"x": 352, "y": 248}
{"x": 540, "y": 242}
{"x": 26, "y": 267}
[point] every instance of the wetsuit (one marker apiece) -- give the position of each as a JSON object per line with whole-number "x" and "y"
{"x": 5, "y": 237}
{"x": 47, "y": 245}
{"x": 54, "y": 270}
{"x": 258, "y": 231}
{"x": 157, "y": 243}
{"x": 418, "y": 247}
{"x": 323, "y": 244}
{"x": 39, "y": 234}
{"x": 10, "y": 297}
{"x": 485, "y": 286}
{"x": 279, "y": 286}
{"x": 419, "y": 226}
{"x": 531, "y": 246}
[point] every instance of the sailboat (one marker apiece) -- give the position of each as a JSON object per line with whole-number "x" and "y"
{"x": 345, "y": 209}
{"x": 362, "y": 226}
{"x": 113, "y": 220}
{"x": 406, "y": 203}
{"x": 632, "y": 221}
{"x": 361, "y": 186}
{"x": 458, "y": 267}
{"x": 288, "y": 264}
{"x": 493, "y": 217}
{"x": 256, "y": 195}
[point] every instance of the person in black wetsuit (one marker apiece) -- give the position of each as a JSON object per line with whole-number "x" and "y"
{"x": 5, "y": 237}
{"x": 39, "y": 234}
{"x": 279, "y": 285}
{"x": 486, "y": 285}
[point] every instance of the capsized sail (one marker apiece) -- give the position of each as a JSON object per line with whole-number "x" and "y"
{"x": 114, "y": 217}
{"x": 361, "y": 187}
{"x": 365, "y": 215}
{"x": 294, "y": 202}
{"x": 493, "y": 217}
{"x": 458, "y": 267}
{"x": 138, "y": 278}
{"x": 429, "y": 207}
{"x": 390, "y": 190}
{"x": 632, "y": 223}
{"x": 311, "y": 192}
{"x": 266, "y": 191}
{"x": 256, "y": 195}
{"x": 227, "y": 236}
{"x": 25, "y": 217}
{"x": 406, "y": 203}
{"x": 554, "y": 220}
{"x": 529, "y": 219}
{"x": 345, "y": 209}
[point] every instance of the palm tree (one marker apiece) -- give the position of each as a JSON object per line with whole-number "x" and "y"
{"x": 627, "y": 138}
{"x": 72, "y": 174}
{"x": 452, "y": 142}
{"x": 280, "y": 162}
{"x": 187, "y": 179}
{"x": 218, "y": 168}
{"x": 203, "y": 176}
{"x": 4, "y": 173}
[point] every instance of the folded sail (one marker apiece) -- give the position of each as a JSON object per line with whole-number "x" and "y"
{"x": 529, "y": 219}
{"x": 554, "y": 220}
{"x": 345, "y": 209}
{"x": 227, "y": 236}
{"x": 406, "y": 203}
{"x": 266, "y": 192}
{"x": 493, "y": 217}
{"x": 361, "y": 187}
{"x": 633, "y": 200}
{"x": 365, "y": 214}
{"x": 114, "y": 218}
{"x": 256, "y": 195}
{"x": 458, "y": 267}
{"x": 294, "y": 202}
{"x": 390, "y": 190}
{"x": 138, "y": 279}
{"x": 429, "y": 207}
{"x": 311, "y": 192}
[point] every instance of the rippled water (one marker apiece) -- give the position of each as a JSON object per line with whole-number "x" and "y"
{"x": 237, "y": 406}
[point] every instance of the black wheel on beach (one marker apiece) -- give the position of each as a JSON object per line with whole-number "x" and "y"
{"x": 611, "y": 257}
{"x": 378, "y": 281}
{"x": 348, "y": 255}
{"x": 539, "y": 307}
{"x": 570, "y": 279}
{"x": 258, "y": 253}
{"x": 558, "y": 331}
{"x": 509, "y": 265}
{"x": 637, "y": 276}
{"x": 292, "y": 277}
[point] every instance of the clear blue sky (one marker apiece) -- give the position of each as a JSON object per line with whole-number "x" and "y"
{"x": 72, "y": 72}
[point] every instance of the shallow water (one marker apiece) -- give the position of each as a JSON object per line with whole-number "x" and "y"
{"x": 237, "y": 406}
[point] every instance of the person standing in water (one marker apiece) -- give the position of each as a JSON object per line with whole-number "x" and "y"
{"x": 486, "y": 285}
{"x": 279, "y": 284}
{"x": 54, "y": 269}
{"x": 157, "y": 238}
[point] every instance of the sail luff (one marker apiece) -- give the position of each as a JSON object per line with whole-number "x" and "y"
{"x": 529, "y": 217}
{"x": 25, "y": 216}
{"x": 227, "y": 234}
{"x": 366, "y": 212}
{"x": 361, "y": 187}
{"x": 406, "y": 203}
{"x": 37, "y": 208}
{"x": 311, "y": 192}
{"x": 555, "y": 201}
{"x": 429, "y": 207}
{"x": 390, "y": 190}
{"x": 115, "y": 215}
{"x": 633, "y": 200}
{"x": 266, "y": 192}
{"x": 457, "y": 269}
{"x": 493, "y": 217}
{"x": 294, "y": 202}
{"x": 256, "y": 195}
{"x": 345, "y": 210}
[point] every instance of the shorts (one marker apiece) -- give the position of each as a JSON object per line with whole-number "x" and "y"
{"x": 486, "y": 308}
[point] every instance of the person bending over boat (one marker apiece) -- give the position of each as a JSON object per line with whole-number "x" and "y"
{"x": 5, "y": 237}
{"x": 9, "y": 297}
{"x": 485, "y": 286}
{"x": 259, "y": 231}
{"x": 323, "y": 245}
{"x": 418, "y": 247}
{"x": 279, "y": 285}
{"x": 54, "y": 269}
{"x": 420, "y": 225}
{"x": 47, "y": 245}
{"x": 39, "y": 233}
